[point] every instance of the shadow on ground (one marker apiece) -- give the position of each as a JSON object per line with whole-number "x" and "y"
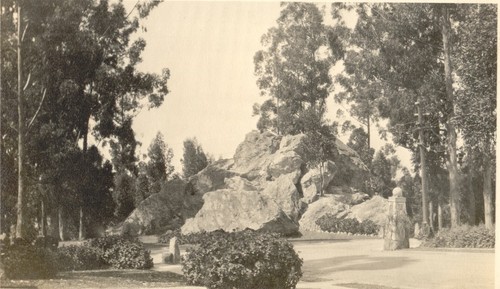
{"x": 130, "y": 275}
{"x": 324, "y": 267}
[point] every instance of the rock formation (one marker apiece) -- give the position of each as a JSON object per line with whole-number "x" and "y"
{"x": 266, "y": 186}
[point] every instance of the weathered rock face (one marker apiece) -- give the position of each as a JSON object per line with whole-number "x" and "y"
{"x": 167, "y": 208}
{"x": 253, "y": 155}
{"x": 232, "y": 210}
{"x": 330, "y": 204}
{"x": 375, "y": 209}
{"x": 265, "y": 187}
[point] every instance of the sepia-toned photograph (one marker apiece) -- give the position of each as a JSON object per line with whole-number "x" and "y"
{"x": 247, "y": 145}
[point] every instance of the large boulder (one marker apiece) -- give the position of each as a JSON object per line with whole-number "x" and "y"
{"x": 375, "y": 209}
{"x": 329, "y": 204}
{"x": 162, "y": 210}
{"x": 235, "y": 210}
{"x": 253, "y": 155}
{"x": 312, "y": 181}
{"x": 285, "y": 194}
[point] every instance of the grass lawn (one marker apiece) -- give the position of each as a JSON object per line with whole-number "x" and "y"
{"x": 110, "y": 278}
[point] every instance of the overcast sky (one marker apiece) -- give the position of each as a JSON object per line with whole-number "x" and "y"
{"x": 209, "y": 49}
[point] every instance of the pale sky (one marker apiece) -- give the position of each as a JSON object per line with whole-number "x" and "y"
{"x": 209, "y": 49}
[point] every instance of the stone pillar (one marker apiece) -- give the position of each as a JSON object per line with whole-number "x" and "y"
{"x": 396, "y": 233}
{"x": 174, "y": 250}
{"x": 173, "y": 254}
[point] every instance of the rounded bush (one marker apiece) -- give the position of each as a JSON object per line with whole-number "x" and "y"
{"x": 243, "y": 260}
{"x": 122, "y": 252}
{"x": 74, "y": 257}
{"x": 26, "y": 261}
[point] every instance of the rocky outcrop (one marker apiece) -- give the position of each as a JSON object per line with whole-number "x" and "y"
{"x": 236, "y": 210}
{"x": 330, "y": 204}
{"x": 266, "y": 187}
{"x": 375, "y": 209}
{"x": 167, "y": 208}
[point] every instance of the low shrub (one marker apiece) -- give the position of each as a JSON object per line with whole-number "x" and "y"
{"x": 331, "y": 223}
{"x": 84, "y": 257}
{"x": 243, "y": 260}
{"x": 27, "y": 261}
{"x": 193, "y": 238}
{"x": 464, "y": 236}
{"x": 197, "y": 238}
{"x": 122, "y": 252}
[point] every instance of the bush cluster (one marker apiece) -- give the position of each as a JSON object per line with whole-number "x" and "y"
{"x": 243, "y": 260}
{"x": 24, "y": 260}
{"x": 42, "y": 259}
{"x": 464, "y": 236}
{"x": 122, "y": 252}
{"x": 331, "y": 223}
{"x": 193, "y": 238}
{"x": 197, "y": 238}
{"x": 74, "y": 257}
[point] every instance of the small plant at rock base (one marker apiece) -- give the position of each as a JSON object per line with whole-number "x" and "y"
{"x": 243, "y": 260}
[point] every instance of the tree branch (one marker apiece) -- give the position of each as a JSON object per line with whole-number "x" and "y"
{"x": 37, "y": 111}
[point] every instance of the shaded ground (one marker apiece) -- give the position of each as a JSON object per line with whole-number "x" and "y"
{"x": 103, "y": 279}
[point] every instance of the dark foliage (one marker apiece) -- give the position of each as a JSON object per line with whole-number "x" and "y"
{"x": 26, "y": 261}
{"x": 333, "y": 224}
{"x": 464, "y": 236}
{"x": 74, "y": 258}
{"x": 243, "y": 260}
{"x": 122, "y": 253}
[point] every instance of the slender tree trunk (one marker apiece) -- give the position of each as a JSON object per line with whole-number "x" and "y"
{"x": 85, "y": 148}
{"x": 43, "y": 228}
{"x": 472, "y": 197}
{"x": 61, "y": 223}
{"x": 431, "y": 215}
{"x": 440, "y": 215}
{"x": 423, "y": 167}
{"x": 452, "y": 134}
{"x": 52, "y": 223}
{"x": 321, "y": 173}
{"x": 20, "y": 158}
{"x": 488, "y": 193}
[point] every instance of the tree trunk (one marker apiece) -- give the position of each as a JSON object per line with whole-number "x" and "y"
{"x": 440, "y": 216}
{"x": 61, "y": 223}
{"x": 472, "y": 197}
{"x": 488, "y": 193}
{"x": 80, "y": 229}
{"x": 52, "y": 223}
{"x": 20, "y": 158}
{"x": 321, "y": 173}
{"x": 431, "y": 216}
{"x": 423, "y": 167}
{"x": 452, "y": 134}
{"x": 43, "y": 228}
{"x": 85, "y": 146}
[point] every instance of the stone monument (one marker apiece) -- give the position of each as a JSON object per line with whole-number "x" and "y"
{"x": 173, "y": 254}
{"x": 396, "y": 232}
